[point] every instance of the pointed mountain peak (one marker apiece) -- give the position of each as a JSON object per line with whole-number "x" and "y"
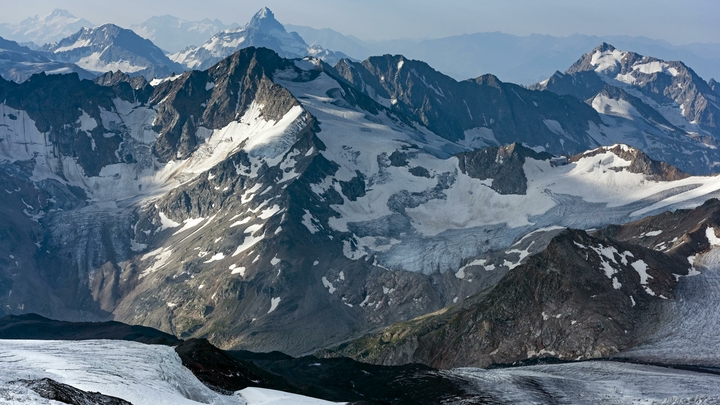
{"x": 264, "y": 13}
{"x": 58, "y": 12}
{"x": 605, "y": 47}
{"x": 264, "y": 20}
{"x": 488, "y": 80}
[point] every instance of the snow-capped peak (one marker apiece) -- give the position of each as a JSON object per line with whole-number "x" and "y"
{"x": 58, "y": 12}
{"x": 110, "y": 48}
{"x": 263, "y": 30}
{"x": 46, "y": 28}
{"x": 607, "y": 60}
{"x": 263, "y": 13}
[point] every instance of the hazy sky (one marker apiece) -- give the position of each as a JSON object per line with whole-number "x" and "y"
{"x": 676, "y": 21}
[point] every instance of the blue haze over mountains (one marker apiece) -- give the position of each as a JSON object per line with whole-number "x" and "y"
{"x": 519, "y": 59}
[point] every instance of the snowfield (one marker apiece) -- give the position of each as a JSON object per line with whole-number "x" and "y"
{"x": 135, "y": 372}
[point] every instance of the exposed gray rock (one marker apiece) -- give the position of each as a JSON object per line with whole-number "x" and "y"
{"x": 639, "y": 163}
{"x": 67, "y": 394}
{"x": 188, "y": 102}
{"x": 502, "y": 165}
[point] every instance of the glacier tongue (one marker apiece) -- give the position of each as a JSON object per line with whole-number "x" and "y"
{"x": 138, "y": 373}
{"x": 689, "y": 332}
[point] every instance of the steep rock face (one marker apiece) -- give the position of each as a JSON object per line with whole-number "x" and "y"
{"x": 479, "y": 112}
{"x": 110, "y": 48}
{"x": 582, "y": 297}
{"x": 209, "y": 99}
{"x": 20, "y": 233}
{"x": 139, "y": 90}
{"x": 264, "y": 31}
{"x": 714, "y": 86}
{"x": 52, "y": 102}
{"x": 681, "y": 234}
{"x": 663, "y": 107}
{"x": 503, "y": 166}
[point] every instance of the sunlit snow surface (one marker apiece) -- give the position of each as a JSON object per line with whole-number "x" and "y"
{"x": 138, "y": 373}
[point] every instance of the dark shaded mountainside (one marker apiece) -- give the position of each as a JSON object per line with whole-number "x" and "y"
{"x": 269, "y": 203}
{"x": 584, "y": 296}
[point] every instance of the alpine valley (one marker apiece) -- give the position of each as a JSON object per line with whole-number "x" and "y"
{"x": 285, "y": 224}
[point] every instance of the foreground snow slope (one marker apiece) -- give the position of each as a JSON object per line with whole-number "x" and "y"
{"x": 139, "y": 373}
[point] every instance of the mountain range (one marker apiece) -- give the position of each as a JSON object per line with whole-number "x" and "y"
{"x": 173, "y": 34}
{"x": 519, "y": 59}
{"x": 375, "y": 211}
{"x": 111, "y": 48}
{"x": 18, "y": 63}
{"x": 263, "y": 30}
{"x": 315, "y": 193}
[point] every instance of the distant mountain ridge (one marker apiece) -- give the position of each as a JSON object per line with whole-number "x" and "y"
{"x": 173, "y": 34}
{"x": 18, "y": 63}
{"x": 631, "y": 90}
{"x": 110, "y": 48}
{"x": 518, "y": 59}
{"x": 45, "y": 29}
{"x": 263, "y": 30}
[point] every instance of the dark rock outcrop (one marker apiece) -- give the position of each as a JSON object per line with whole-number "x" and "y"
{"x": 503, "y": 165}
{"x": 67, "y": 394}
